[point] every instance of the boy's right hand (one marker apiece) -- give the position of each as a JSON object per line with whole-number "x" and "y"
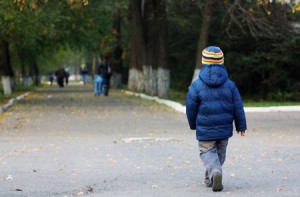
{"x": 242, "y": 133}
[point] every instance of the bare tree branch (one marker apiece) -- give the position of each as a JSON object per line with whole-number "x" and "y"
{"x": 254, "y": 19}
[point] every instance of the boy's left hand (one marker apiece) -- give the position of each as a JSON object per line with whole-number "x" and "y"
{"x": 242, "y": 133}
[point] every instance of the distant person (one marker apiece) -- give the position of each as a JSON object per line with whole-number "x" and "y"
{"x": 213, "y": 102}
{"x": 105, "y": 71}
{"x": 67, "y": 75}
{"x": 84, "y": 73}
{"x": 60, "y": 76}
{"x": 51, "y": 78}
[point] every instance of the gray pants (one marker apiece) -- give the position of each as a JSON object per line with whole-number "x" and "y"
{"x": 212, "y": 154}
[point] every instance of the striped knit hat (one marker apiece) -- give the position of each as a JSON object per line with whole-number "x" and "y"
{"x": 212, "y": 55}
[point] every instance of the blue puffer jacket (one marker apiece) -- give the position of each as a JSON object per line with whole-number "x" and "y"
{"x": 213, "y": 103}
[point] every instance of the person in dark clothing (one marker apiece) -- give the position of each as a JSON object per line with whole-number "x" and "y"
{"x": 51, "y": 78}
{"x": 84, "y": 72}
{"x": 67, "y": 75}
{"x": 60, "y": 75}
{"x": 105, "y": 71}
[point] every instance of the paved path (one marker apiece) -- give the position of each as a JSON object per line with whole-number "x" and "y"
{"x": 67, "y": 142}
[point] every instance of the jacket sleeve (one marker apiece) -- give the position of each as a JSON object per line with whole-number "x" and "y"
{"x": 239, "y": 113}
{"x": 192, "y": 106}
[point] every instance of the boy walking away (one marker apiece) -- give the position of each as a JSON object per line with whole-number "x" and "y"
{"x": 213, "y": 103}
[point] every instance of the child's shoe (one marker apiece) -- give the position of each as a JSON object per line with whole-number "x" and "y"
{"x": 207, "y": 182}
{"x": 217, "y": 182}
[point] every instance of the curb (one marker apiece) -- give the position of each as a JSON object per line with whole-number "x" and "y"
{"x": 177, "y": 106}
{"x": 180, "y": 108}
{"x": 12, "y": 101}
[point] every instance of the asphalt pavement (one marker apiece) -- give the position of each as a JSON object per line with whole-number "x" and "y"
{"x": 66, "y": 142}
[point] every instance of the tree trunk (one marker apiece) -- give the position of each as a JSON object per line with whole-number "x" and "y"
{"x": 136, "y": 79}
{"x": 116, "y": 80}
{"x": 24, "y": 77}
{"x": 157, "y": 75}
{"x": 203, "y": 36}
{"x": 5, "y": 68}
{"x": 94, "y": 64}
{"x": 149, "y": 50}
{"x": 150, "y": 65}
{"x": 22, "y": 64}
{"x": 163, "y": 83}
{"x": 35, "y": 73}
{"x": 6, "y": 83}
{"x": 150, "y": 80}
{"x": 163, "y": 73}
{"x": 117, "y": 67}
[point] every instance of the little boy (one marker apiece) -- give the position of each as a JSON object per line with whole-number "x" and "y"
{"x": 213, "y": 102}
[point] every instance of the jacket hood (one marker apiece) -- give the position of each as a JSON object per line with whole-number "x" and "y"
{"x": 213, "y": 75}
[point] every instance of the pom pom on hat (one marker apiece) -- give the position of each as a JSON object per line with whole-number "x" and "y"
{"x": 212, "y": 55}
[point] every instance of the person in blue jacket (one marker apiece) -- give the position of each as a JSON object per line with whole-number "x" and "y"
{"x": 213, "y": 103}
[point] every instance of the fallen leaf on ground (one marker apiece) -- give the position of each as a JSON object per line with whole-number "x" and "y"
{"x": 90, "y": 189}
{"x": 9, "y": 177}
{"x": 279, "y": 189}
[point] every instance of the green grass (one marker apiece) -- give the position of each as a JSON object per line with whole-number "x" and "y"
{"x": 268, "y": 103}
{"x": 177, "y": 96}
{"x": 180, "y": 97}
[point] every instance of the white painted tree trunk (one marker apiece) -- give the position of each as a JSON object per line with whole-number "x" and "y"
{"x": 136, "y": 80}
{"x": 6, "y": 85}
{"x": 150, "y": 80}
{"x": 116, "y": 80}
{"x": 27, "y": 81}
{"x": 196, "y": 74}
{"x": 163, "y": 82}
